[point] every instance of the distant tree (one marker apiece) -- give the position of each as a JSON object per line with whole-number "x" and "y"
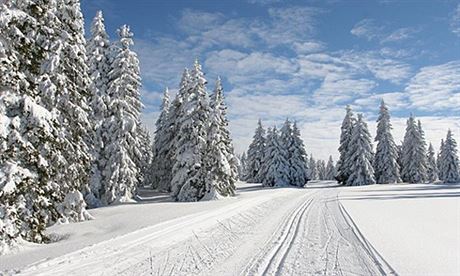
{"x": 321, "y": 169}
{"x": 298, "y": 160}
{"x": 312, "y": 169}
{"x": 256, "y": 155}
{"x": 330, "y": 169}
{"x": 450, "y": 163}
{"x": 432, "y": 169}
{"x": 276, "y": 161}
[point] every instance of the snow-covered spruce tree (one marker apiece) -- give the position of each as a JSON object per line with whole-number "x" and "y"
{"x": 343, "y": 168}
{"x": 312, "y": 169}
{"x": 386, "y": 156}
{"x": 298, "y": 159}
{"x": 321, "y": 169}
{"x": 361, "y": 155}
{"x": 287, "y": 142}
{"x": 439, "y": 160}
{"x": 34, "y": 144}
{"x": 256, "y": 155}
{"x": 122, "y": 149}
{"x": 330, "y": 169}
{"x": 277, "y": 165}
{"x": 220, "y": 160}
{"x": 144, "y": 156}
{"x": 97, "y": 51}
{"x": 450, "y": 164}
{"x": 161, "y": 166}
{"x": 432, "y": 169}
{"x": 189, "y": 170}
{"x": 242, "y": 167}
{"x": 413, "y": 154}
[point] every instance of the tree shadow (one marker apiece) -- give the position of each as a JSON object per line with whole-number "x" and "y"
{"x": 401, "y": 196}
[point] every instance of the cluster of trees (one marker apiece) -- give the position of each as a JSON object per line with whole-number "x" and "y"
{"x": 276, "y": 158}
{"x": 193, "y": 156}
{"x": 70, "y": 134}
{"x": 320, "y": 170}
{"x": 409, "y": 162}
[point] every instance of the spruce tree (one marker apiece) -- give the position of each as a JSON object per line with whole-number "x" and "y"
{"x": 343, "y": 168}
{"x": 161, "y": 165}
{"x": 121, "y": 173}
{"x": 256, "y": 155}
{"x": 386, "y": 156}
{"x": 361, "y": 155}
{"x": 312, "y": 169}
{"x": 144, "y": 156}
{"x": 321, "y": 169}
{"x": 432, "y": 169}
{"x": 276, "y": 161}
{"x": 298, "y": 159}
{"x": 189, "y": 170}
{"x": 330, "y": 169}
{"x": 450, "y": 164}
{"x": 243, "y": 167}
{"x": 220, "y": 160}
{"x": 97, "y": 50}
{"x": 413, "y": 154}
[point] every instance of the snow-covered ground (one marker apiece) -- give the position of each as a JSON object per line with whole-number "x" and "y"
{"x": 322, "y": 229}
{"x": 415, "y": 227}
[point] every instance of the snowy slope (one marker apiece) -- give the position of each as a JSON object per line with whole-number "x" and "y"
{"x": 416, "y": 227}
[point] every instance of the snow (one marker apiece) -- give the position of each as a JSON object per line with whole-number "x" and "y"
{"x": 410, "y": 229}
{"x": 416, "y": 227}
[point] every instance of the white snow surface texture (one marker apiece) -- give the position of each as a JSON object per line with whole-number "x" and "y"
{"x": 400, "y": 229}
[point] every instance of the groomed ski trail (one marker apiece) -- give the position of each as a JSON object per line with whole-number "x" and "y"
{"x": 285, "y": 231}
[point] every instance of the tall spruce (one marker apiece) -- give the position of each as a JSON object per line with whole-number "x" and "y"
{"x": 276, "y": 161}
{"x": 330, "y": 169}
{"x": 343, "y": 168}
{"x": 386, "y": 156}
{"x": 321, "y": 169}
{"x": 439, "y": 160}
{"x": 97, "y": 49}
{"x": 161, "y": 165}
{"x": 414, "y": 165}
{"x": 287, "y": 142}
{"x": 450, "y": 163}
{"x": 121, "y": 174}
{"x": 432, "y": 168}
{"x": 361, "y": 155}
{"x": 220, "y": 159}
{"x": 312, "y": 168}
{"x": 190, "y": 171}
{"x": 298, "y": 161}
{"x": 256, "y": 155}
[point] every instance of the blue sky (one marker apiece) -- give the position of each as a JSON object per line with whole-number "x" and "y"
{"x": 302, "y": 59}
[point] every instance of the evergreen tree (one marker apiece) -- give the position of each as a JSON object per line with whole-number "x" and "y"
{"x": 450, "y": 164}
{"x": 432, "y": 169}
{"x": 287, "y": 142}
{"x": 321, "y": 169}
{"x": 121, "y": 174}
{"x": 256, "y": 155}
{"x": 242, "y": 167}
{"x": 439, "y": 160}
{"x": 277, "y": 163}
{"x": 312, "y": 170}
{"x": 144, "y": 156}
{"x": 189, "y": 170}
{"x": 386, "y": 156}
{"x": 298, "y": 159}
{"x": 330, "y": 169}
{"x": 343, "y": 168}
{"x": 161, "y": 165}
{"x": 361, "y": 156}
{"x": 97, "y": 49}
{"x": 413, "y": 154}
{"x": 219, "y": 156}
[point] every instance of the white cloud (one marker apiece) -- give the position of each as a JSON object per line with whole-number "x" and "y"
{"x": 396, "y": 100}
{"x": 436, "y": 87}
{"x": 399, "y": 34}
{"x": 455, "y": 21}
{"x": 367, "y": 28}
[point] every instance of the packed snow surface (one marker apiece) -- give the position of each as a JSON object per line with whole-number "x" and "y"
{"x": 321, "y": 229}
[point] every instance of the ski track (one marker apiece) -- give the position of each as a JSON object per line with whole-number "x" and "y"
{"x": 311, "y": 234}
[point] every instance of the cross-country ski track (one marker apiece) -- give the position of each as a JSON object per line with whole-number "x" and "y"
{"x": 279, "y": 231}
